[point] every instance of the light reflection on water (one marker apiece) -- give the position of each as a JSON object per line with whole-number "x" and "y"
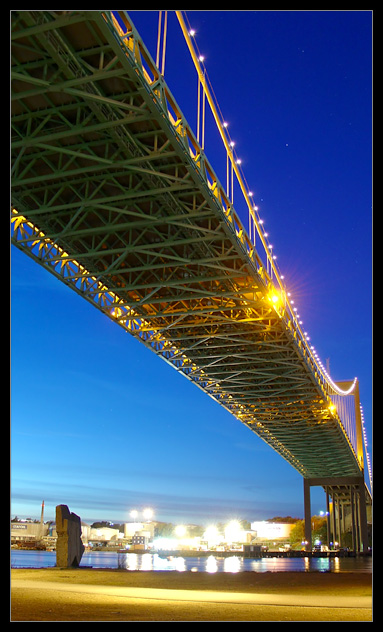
{"x": 209, "y": 564}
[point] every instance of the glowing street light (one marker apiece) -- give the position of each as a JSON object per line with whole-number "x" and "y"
{"x": 233, "y": 531}
{"x": 148, "y": 513}
{"x": 275, "y": 298}
{"x": 180, "y": 531}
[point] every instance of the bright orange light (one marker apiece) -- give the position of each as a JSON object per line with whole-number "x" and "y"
{"x": 275, "y": 298}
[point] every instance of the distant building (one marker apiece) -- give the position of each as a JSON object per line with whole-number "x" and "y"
{"x": 28, "y": 531}
{"x": 139, "y": 542}
{"x": 103, "y": 534}
{"x": 93, "y": 534}
{"x": 139, "y": 528}
{"x": 271, "y": 530}
{"x": 86, "y": 531}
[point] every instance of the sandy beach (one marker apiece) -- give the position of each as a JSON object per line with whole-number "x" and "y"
{"x": 53, "y": 594}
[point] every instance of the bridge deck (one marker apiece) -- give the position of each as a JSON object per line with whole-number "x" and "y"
{"x": 114, "y": 197}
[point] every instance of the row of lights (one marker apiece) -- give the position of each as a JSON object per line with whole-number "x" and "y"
{"x": 314, "y": 353}
{"x": 233, "y": 529}
{"x": 147, "y": 514}
{"x": 238, "y": 161}
{"x": 365, "y": 445}
{"x": 201, "y": 58}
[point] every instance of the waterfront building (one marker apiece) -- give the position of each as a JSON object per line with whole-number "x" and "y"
{"x": 23, "y": 531}
{"x": 144, "y": 529}
{"x": 265, "y": 530}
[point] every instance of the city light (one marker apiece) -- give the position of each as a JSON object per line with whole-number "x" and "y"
{"x": 233, "y": 531}
{"x": 275, "y": 298}
{"x": 180, "y": 531}
{"x": 165, "y": 544}
{"x": 148, "y": 513}
{"x": 212, "y": 536}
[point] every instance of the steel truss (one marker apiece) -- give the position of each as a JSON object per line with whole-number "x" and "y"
{"x": 112, "y": 193}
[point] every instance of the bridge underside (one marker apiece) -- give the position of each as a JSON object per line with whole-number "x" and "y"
{"x": 110, "y": 198}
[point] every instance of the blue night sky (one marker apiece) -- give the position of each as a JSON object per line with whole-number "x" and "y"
{"x": 101, "y": 424}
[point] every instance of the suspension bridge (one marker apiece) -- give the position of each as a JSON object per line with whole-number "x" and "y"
{"x": 112, "y": 192}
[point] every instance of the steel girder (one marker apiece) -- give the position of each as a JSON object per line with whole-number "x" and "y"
{"x": 112, "y": 194}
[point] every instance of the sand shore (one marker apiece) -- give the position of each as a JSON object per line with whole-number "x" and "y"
{"x": 54, "y": 594}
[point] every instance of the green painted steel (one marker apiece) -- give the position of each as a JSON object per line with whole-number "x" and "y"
{"x": 112, "y": 194}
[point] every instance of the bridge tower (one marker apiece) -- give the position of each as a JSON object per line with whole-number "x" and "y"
{"x": 348, "y": 499}
{"x": 347, "y": 494}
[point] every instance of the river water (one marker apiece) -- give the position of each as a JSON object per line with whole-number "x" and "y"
{"x": 210, "y": 564}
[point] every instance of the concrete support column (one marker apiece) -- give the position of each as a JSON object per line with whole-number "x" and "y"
{"x": 333, "y": 518}
{"x": 356, "y": 501}
{"x": 353, "y": 529}
{"x": 338, "y": 508}
{"x": 328, "y": 516}
{"x": 344, "y": 491}
{"x": 307, "y": 506}
{"x": 363, "y": 518}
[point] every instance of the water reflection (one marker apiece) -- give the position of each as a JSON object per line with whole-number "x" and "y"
{"x": 210, "y": 564}
{"x": 232, "y": 565}
{"x": 235, "y": 564}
